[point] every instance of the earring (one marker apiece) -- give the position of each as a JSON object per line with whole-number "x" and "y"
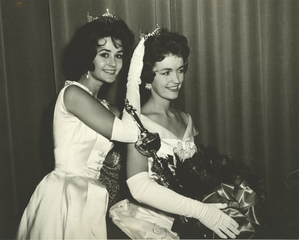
{"x": 148, "y": 86}
{"x": 87, "y": 75}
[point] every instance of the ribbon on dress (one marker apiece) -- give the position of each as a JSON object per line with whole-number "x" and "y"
{"x": 242, "y": 202}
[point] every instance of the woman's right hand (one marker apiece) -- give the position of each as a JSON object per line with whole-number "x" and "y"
{"x": 136, "y": 64}
{"x": 217, "y": 221}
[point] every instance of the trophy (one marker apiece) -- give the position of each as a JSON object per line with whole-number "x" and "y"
{"x": 148, "y": 143}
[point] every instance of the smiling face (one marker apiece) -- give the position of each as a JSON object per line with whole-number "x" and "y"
{"x": 108, "y": 61}
{"x": 169, "y": 77}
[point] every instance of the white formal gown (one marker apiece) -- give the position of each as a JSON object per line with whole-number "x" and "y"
{"x": 140, "y": 221}
{"x": 70, "y": 202}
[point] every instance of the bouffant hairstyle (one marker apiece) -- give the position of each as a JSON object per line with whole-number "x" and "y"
{"x": 82, "y": 49}
{"x": 158, "y": 46}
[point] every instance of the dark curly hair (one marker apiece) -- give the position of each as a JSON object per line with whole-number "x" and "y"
{"x": 157, "y": 47}
{"x": 81, "y": 51}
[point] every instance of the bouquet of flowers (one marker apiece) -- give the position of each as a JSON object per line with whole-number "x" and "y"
{"x": 205, "y": 175}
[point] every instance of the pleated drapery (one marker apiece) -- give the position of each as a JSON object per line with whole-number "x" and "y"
{"x": 241, "y": 87}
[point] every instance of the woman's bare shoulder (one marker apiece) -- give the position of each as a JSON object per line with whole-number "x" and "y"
{"x": 73, "y": 94}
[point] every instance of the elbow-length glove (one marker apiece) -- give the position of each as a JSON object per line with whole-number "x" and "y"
{"x": 149, "y": 192}
{"x": 126, "y": 130}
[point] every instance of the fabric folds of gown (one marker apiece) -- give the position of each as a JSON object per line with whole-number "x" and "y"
{"x": 70, "y": 202}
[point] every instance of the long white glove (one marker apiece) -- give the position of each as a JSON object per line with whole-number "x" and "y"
{"x": 151, "y": 193}
{"x": 126, "y": 130}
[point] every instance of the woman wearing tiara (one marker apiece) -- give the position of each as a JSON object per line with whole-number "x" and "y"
{"x": 70, "y": 202}
{"x": 165, "y": 64}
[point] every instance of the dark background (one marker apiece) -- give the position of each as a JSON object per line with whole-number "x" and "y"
{"x": 241, "y": 88}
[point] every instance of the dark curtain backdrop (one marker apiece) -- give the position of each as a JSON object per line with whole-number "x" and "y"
{"x": 241, "y": 87}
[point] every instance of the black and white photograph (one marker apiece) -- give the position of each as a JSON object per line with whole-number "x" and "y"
{"x": 149, "y": 119}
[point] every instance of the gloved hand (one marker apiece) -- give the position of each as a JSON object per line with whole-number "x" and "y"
{"x": 147, "y": 191}
{"x": 126, "y": 130}
{"x": 219, "y": 205}
{"x": 136, "y": 64}
{"x": 134, "y": 74}
{"x": 217, "y": 221}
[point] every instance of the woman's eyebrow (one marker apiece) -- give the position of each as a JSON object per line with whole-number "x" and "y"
{"x": 164, "y": 69}
{"x": 104, "y": 49}
{"x": 107, "y": 50}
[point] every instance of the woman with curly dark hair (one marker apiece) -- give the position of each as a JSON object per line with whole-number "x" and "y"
{"x": 71, "y": 202}
{"x": 165, "y": 64}
{"x": 82, "y": 50}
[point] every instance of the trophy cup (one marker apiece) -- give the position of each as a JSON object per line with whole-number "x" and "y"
{"x": 148, "y": 143}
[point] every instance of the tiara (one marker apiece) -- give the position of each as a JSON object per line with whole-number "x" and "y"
{"x": 154, "y": 33}
{"x": 105, "y": 18}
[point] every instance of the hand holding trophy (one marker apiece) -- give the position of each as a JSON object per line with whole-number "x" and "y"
{"x": 148, "y": 143}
